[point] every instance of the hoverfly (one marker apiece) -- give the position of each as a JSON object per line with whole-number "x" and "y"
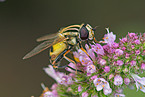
{"x": 63, "y": 42}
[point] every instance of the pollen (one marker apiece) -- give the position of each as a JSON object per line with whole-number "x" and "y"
{"x": 46, "y": 89}
{"x": 140, "y": 87}
{"x": 55, "y": 66}
{"x": 103, "y": 86}
{"x": 76, "y": 59}
{"x": 93, "y": 66}
{"x": 97, "y": 84}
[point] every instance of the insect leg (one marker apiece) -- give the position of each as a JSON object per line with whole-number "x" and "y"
{"x": 66, "y": 66}
{"x": 81, "y": 47}
{"x": 70, "y": 59}
{"x": 87, "y": 41}
{"x": 74, "y": 69}
{"x": 95, "y": 40}
{"x": 58, "y": 58}
{"x": 61, "y": 55}
{"x": 67, "y": 57}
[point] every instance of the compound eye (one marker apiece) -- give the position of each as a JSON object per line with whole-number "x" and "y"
{"x": 84, "y": 33}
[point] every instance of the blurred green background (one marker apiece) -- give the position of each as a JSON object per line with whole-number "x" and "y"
{"x": 22, "y": 21}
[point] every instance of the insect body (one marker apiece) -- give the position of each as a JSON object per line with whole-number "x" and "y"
{"x": 57, "y": 50}
{"x": 63, "y": 42}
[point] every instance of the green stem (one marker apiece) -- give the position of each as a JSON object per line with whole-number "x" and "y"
{"x": 99, "y": 94}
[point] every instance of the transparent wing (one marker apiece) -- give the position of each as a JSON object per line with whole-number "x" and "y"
{"x": 46, "y": 37}
{"x": 38, "y": 49}
{"x": 44, "y": 45}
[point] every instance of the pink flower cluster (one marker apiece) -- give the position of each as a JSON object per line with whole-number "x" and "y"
{"x": 109, "y": 67}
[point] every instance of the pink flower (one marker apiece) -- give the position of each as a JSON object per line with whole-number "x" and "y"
{"x": 126, "y": 81}
{"x": 54, "y": 86}
{"x": 118, "y": 80}
{"x": 123, "y": 40}
{"x": 115, "y": 45}
{"x": 107, "y": 69}
{"x": 90, "y": 69}
{"x": 137, "y": 52}
{"x": 85, "y": 60}
{"x": 131, "y": 35}
{"x": 98, "y": 49}
{"x": 107, "y": 91}
{"x": 108, "y": 49}
{"x": 127, "y": 55}
{"x": 55, "y": 75}
{"x": 111, "y": 76}
{"x": 91, "y": 54}
{"x": 66, "y": 80}
{"x": 143, "y": 66}
{"x": 93, "y": 77}
{"x": 120, "y": 62}
{"x": 133, "y": 63}
{"x": 101, "y": 83}
{"x": 118, "y": 52}
{"x": 72, "y": 67}
{"x": 137, "y": 41}
{"x": 140, "y": 82}
{"x": 143, "y": 53}
{"x": 87, "y": 47}
{"x": 94, "y": 96}
{"x": 132, "y": 46}
{"x": 48, "y": 93}
{"x": 119, "y": 95}
{"x": 119, "y": 90}
{"x": 79, "y": 88}
{"x": 102, "y": 62}
{"x": 84, "y": 94}
{"x": 90, "y": 51}
{"x": 123, "y": 48}
{"x": 115, "y": 57}
{"x": 109, "y": 38}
